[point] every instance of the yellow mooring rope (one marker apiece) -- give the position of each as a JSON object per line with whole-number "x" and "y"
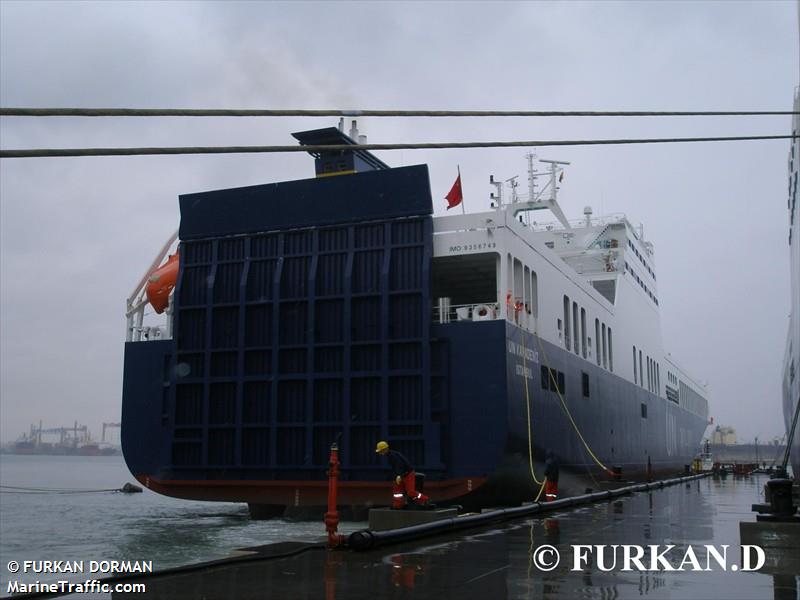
{"x": 541, "y": 489}
{"x": 530, "y": 428}
{"x": 565, "y": 408}
{"x": 528, "y": 404}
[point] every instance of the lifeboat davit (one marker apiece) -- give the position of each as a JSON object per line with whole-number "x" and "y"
{"x": 161, "y": 283}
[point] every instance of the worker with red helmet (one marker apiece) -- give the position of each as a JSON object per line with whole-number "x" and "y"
{"x": 404, "y": 478}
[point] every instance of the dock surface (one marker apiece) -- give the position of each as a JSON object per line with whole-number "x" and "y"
{"x": 498, "y": 562}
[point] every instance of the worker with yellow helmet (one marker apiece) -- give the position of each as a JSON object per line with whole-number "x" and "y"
{"x": 404, "y": 478}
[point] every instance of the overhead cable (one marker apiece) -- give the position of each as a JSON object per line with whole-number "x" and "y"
{"x": 220, "y": 112}
{"x": 61, "y": 152}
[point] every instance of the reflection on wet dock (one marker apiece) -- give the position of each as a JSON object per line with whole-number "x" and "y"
{"x": 502, "y": 561}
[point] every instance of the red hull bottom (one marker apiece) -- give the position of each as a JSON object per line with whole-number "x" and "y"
{"x": 300, "y": 493}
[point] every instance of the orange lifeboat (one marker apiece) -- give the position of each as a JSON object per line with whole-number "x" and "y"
{"x": 161, "y": 283}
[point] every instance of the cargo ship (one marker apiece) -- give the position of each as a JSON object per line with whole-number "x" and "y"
{"x": 341, "y": 307}
{"x": 791, "y": 362}
{"x": 72, "y": 441}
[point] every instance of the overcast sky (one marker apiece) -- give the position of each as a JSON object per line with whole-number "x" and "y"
{"x": 77, "y": 233}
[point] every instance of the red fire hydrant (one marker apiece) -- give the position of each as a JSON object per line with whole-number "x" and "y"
{"x": 332, "y": 516}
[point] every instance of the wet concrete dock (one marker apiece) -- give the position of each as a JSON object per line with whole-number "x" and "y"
{"x": 501, "y": 561}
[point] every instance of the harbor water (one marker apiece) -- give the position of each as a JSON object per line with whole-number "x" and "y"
{"x": 116, "y": 526}
{"x": 496, "y": 562}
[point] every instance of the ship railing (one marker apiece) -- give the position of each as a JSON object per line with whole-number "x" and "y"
{"x": 444, "y": 312}
{"x": 137, "y": 331}
{"x": 609, "y": 219}
{"x": 137, "y": 303}
{"x": 516, "y": 312}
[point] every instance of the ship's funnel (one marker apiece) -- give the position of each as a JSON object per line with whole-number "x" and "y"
{"x": 339, "y": 162}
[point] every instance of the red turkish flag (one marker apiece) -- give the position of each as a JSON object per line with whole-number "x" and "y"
{"x": 454, "y": 196}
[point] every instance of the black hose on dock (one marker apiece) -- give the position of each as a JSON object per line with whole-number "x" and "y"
{"x": 367, "y": 539}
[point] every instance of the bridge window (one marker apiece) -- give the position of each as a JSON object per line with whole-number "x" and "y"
{"x": 658, "y": 379}
{"x": 583, "y": 332}
{"x": 597, "y": 340}
{"x": 567, "y": 328}
{"x": 610, "y": 352}
{"x": 508, "y": 283}
{"x": 635, "y": 370}
{"x": 518, "y": 281}
{"x": 641, "y": 370}
{"x": 605, "y": 346}
{"x": 607, "y": 288}
{"x": 527, "y": 300}
{"x": 575, "y": 326}
{"x": 653, "y": 368}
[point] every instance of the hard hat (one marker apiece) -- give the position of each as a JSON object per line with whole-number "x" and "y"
{"x": 381, "y": 447}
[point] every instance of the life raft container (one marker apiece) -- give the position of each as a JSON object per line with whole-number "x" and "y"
{"x": 161, "y": 283}
{"x": 482, "y": 312}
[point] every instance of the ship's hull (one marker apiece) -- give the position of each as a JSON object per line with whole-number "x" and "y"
{"x": 791, "y": 401}
{"x": 487, "y": 458}
{"x": 789, "y": 406}
{"x": 791, "y": 363}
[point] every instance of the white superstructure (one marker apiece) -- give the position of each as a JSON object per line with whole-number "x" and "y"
{"x": 589, "y": 285}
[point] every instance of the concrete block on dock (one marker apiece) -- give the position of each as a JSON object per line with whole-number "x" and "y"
{"x": 383, "y": 519}
{"x": 779, "y": 541}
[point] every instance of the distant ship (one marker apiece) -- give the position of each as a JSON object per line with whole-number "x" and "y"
{"x": 791, "y": 362}
{"x": 72, "y": 441}
{"x": 474, "y": 343}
